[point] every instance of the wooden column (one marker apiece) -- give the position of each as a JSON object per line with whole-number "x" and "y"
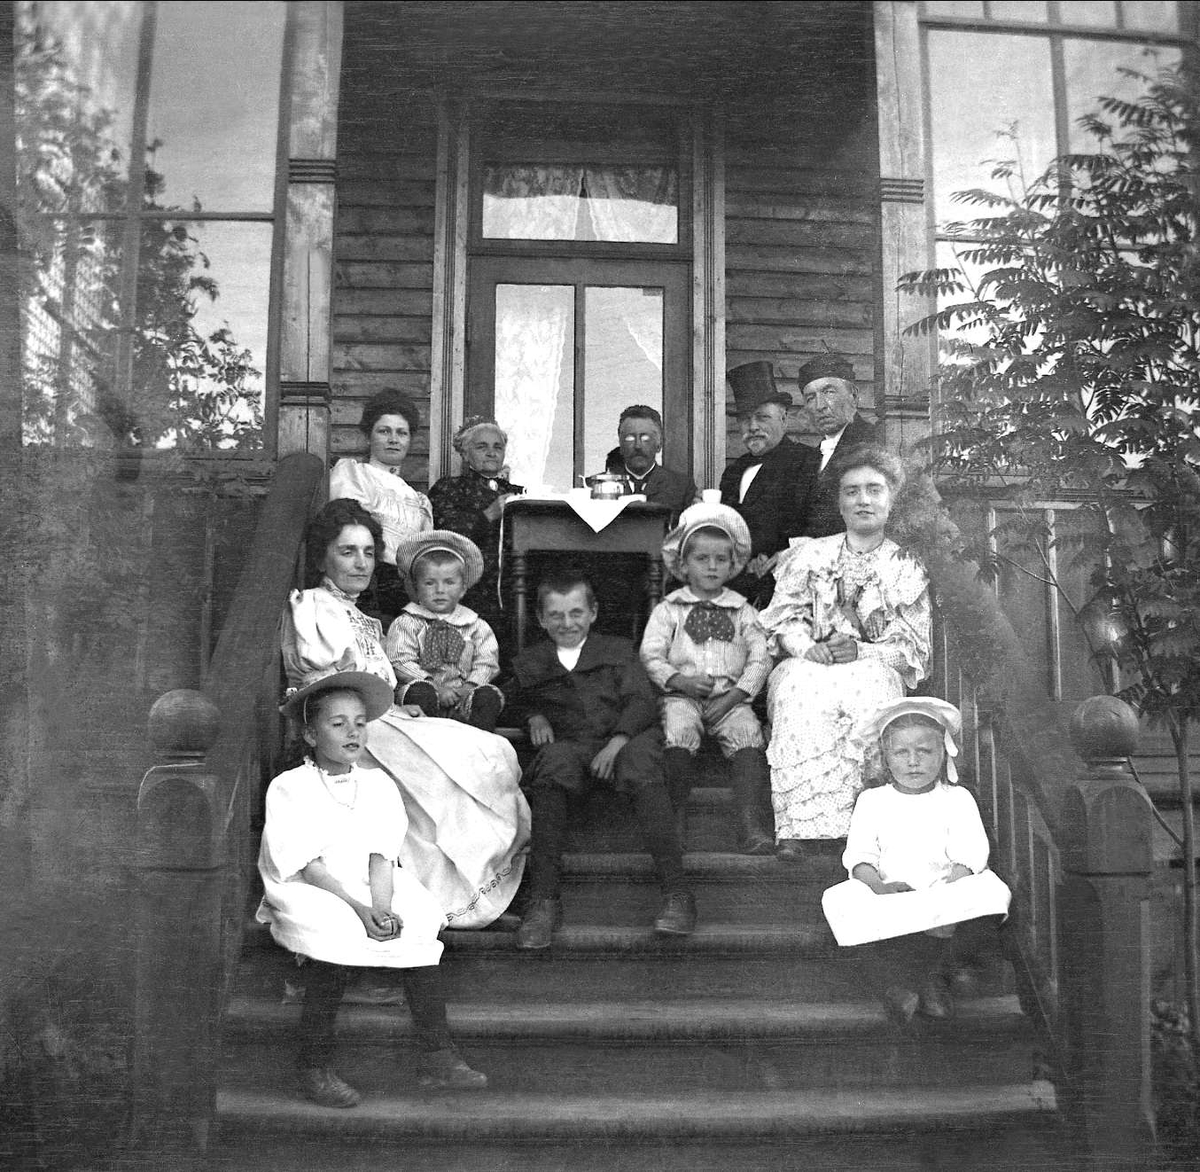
{"x": 904, "y": 364}
{"x": 309, "y": 124}
{"x": 1104, "y": 902}
{"x": 708, "y": 296}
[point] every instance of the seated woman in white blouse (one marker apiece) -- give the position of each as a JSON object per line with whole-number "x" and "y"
{"x": 389, "y": 421}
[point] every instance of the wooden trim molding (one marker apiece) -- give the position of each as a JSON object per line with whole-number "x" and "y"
{"x": 306, "y": 318}
{"x": 312, "y": 170}
{"x": 448, "y": 353}
{"x": 904, "y": 364}
{"x": 708, "y": 295}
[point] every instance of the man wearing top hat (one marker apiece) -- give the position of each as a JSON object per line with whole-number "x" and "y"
{"x": 827, "y": 389}
{"x": 771, "y": 485}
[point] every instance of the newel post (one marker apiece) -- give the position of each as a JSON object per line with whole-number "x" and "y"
{"x": 178, "y": 974}
{"x": 1104, "y": 911}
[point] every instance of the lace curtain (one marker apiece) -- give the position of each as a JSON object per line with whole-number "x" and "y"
{"x": 565, "y": 202}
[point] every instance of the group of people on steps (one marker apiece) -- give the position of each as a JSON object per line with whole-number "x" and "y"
{"x": 409, "y": 814}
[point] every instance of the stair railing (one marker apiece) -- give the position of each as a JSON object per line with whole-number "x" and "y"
{"x": 195, "y": 836}
{"x": 1076, "y": 852}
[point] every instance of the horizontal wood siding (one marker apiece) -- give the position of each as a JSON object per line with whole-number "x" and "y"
{"x": 802, "y": 243}
{"x": 383, "y": 245}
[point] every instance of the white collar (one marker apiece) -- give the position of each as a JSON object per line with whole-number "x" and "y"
{"x": 460, "y": 616}
{"x": 829, "y": 442}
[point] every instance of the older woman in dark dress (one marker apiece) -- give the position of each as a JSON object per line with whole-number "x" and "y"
{"x": 472, "y": 502}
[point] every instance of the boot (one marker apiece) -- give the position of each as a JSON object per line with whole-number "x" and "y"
{"x": 751, "y": 780}
{"x": 678, "y": 766}
{"x": 446, "y": 1069}
{"x": 486, "y": 702}
{"x": 424, "y": 695}
{"x": 677, "y": 917}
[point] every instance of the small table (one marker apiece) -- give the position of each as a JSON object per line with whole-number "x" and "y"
{"x": 553, "y": 526}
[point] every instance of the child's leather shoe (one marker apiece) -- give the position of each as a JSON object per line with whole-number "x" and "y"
{"x": 445, "y": 1069}
{"x": 537, "y": 927}
{"x": 900, "y": 1004}
{"x": 678, "y": 915}
{"x": 324, "y": 1087}
{"x": 790, "y": 850}
{"x": 935, "y": 1000}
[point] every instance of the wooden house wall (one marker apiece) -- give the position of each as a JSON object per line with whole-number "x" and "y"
{"x": 383, "y": 254}
{"x": 802, "y": 247}
{"x": 801, "y": 225}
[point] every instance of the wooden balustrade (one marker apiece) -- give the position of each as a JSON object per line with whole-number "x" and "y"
{"x": 1077, "y": 854}
{"x": 195, "y": 836}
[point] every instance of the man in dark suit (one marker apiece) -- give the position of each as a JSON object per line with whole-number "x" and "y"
{"x": 639, "y": 440}
{"x": 827, "y": 389}
{"x": 771, "y": 485}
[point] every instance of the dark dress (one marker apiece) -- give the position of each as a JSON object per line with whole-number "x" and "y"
{"x": 458, "y": 504}
{"x": 824, "y": 516}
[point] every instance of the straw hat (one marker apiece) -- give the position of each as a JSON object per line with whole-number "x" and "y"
{"x": 376, "y": 692}
{"x": 445, "y": 540}
{"x": 706, "y": 516}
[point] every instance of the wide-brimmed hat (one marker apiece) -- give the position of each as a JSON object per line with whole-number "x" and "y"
{"x": 941, "y": 712}
{"x": 463, "y": 548}
{"x": 705, "y": 516}
{"x": 376, "y": 692}
{"x": 753, "y": 385}
{"x": 828, "y": 365}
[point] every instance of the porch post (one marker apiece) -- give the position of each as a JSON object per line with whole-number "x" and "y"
{"x": 903, "y": 364}
{"x": 1104, "y": 904}
{"x": 309, "y": 124}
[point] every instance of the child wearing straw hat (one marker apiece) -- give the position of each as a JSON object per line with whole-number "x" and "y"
{"x": 704, "y": 649}
{"x": 917, "y": 856}
{"x": 444, "y": 655}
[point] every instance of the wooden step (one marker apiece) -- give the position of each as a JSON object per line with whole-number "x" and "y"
{"x": 686, "y": 1043}
{"x": 998, "y": 1127}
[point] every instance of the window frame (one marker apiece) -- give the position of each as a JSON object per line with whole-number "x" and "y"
{"x": 130, "y": 219}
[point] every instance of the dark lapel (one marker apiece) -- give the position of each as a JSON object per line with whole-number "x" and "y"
{"x": 773, "y": 461}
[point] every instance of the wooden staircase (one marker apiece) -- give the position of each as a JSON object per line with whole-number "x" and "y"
{"x": 751, "y": 1045}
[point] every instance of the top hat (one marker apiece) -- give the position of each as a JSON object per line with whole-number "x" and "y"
{"x": 828, "y": 365}
{"x": 753, "y": 385}
{"x": 463, "y": 548}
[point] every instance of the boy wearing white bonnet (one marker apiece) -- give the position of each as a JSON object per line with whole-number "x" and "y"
{"x": 704, "y": 649}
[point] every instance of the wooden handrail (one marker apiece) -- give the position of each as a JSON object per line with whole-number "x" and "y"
{"x": 194, "y": 848}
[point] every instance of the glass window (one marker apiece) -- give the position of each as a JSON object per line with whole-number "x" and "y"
{"x": 1097, "y": 13}
{"x": 1094, "y": 70}
{"x": 979, "y": 116}
{"x": 546, "y": 201}
{"x": 1159, "y": 15}
{"x": 622, "y": 361}
{"x": 535, "y": 381}
{"x": 1029, "y": 10}
{"x": 142, "y": 329}
{"x": 215, "y": 112}
{"x": 954, "y": 8}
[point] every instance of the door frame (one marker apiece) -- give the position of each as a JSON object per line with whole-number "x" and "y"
{"x": 447, "y": 383}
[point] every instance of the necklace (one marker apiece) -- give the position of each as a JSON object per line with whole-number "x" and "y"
{"x": 329, "y": 789}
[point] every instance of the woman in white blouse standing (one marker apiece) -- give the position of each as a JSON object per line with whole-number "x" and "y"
{"x": 389, "y": 421}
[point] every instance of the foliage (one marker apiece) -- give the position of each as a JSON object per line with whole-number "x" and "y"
{"x": 1176, "y": 1084}
{"x": 1069, "y": 372}
{"x": 191, "y": 391}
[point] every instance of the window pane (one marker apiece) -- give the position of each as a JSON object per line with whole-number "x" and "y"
{"x": 535, "y": 381}
{"x": 1162, "y": 15}
{"x": 1093, "y": 71}
{"x": 568, "y": 202}
{"x": 75, "y": 69}
{"x": 975, "y": 106}
{"x": 1098, "y": 13}
{"x": 954, "y": 7}
{"x": 622, "y": 362}
{"x": 69, "y": 325}
{"x": 214, "y": 104}
{"x": 1029, "y": 10}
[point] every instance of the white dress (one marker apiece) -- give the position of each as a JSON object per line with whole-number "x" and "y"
{"x": 815, "y": 709}
{"x": 342, "y": 824}
{"x": 468, "y": 822}
{"x": 389, "y": 498}
{"x": 914, "y": 839}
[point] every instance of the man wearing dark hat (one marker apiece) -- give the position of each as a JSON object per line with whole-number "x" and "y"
{"x": 827, "y": 388}
{"x": 771, "y": 486}
{"x": 639, "y": 440}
